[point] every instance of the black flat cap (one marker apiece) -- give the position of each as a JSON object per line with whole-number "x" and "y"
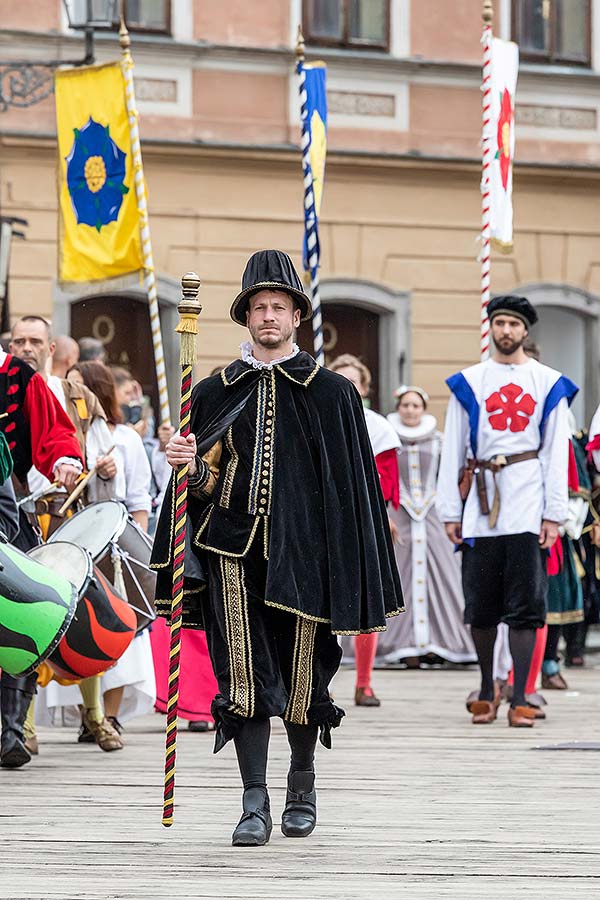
{"x": 510, "y": 305}
{"x": 269, "y": 269}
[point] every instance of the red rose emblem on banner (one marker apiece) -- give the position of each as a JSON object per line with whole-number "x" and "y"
{"x": 505, "y": 122}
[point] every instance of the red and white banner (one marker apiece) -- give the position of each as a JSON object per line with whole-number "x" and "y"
{"x": 505, "y": 69}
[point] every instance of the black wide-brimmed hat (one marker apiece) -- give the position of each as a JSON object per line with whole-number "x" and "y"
{"x": 269, "y": 269}
{"x": 513, "y": 306}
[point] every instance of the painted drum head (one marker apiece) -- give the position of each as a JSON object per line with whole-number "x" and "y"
{"x": 67, "y": 559}
{"x": 37, "y": 605}
{"x": 94, "y": 527}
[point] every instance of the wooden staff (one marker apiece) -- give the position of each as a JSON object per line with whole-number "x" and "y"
{"x": 80, "y": 487}
{"x": 189, "y": 309}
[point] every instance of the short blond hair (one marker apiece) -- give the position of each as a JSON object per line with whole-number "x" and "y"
{"x": 347, "y": 359}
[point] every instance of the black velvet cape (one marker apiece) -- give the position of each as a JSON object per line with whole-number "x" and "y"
{"x": 331, "y": 557}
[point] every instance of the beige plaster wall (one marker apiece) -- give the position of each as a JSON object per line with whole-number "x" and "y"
{"x": 458, "y": 20}
{"x": 242, "y": 22}
{"x": 35, "y": 15}
{"x": 408, "y": 227}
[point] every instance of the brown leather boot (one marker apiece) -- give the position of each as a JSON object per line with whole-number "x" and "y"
{"x": 366, "y": 697}
{"x": 484, "y": 712}
{"x": 554, "y": 682}
{"x": 521, "y": 716}
{"x": 105, "y": 735}
{"x": 473, "y": 697}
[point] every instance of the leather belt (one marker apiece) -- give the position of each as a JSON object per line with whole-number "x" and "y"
{"x": 494, "y": 465}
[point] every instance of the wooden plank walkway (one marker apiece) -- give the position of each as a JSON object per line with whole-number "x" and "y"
{"x": 414, "y": 802}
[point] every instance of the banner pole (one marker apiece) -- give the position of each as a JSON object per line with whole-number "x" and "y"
{"x": 140, "y": 191}
{"x": 189, "y": 309}
{"x": 310, "y": 214}
{"x": 487, "y": 154}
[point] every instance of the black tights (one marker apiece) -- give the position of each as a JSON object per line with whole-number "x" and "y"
{"x": 552, "y": 639}
{"x": 484, "y": 640}
{"x": 302, "y": 740}
{"x": 522, "y": 642}
{"x": 574, "y": 635}
{"x": 252, "y": 748}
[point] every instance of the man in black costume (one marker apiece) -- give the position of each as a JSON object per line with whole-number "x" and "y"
{"x": 289, "y": 541}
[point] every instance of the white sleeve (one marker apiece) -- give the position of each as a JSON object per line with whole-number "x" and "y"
{"x": 594, "y": 430}
{"x": 456, "y": 433}
{"x": 138, "y": 475}
{"x": 554, "y": 460}
{"x": 98, "y": 441}
{"x": 160, "y": 468}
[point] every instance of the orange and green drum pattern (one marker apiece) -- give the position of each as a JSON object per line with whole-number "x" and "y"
{"x": 36, "y": 608}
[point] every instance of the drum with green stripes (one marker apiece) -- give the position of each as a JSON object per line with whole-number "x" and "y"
{"x": 36, "y": 608}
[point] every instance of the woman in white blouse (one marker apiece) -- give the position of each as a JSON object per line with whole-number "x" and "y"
{"x": 129, "y": 687}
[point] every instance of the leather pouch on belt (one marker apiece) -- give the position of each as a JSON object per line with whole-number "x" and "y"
{"x": 464, "y": 482}
{"x": 482, "y": 491}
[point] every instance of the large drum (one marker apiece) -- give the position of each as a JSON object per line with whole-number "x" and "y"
{"x": 103, "y": 626}
{"x": 120, "y": 549}
{"x": 36, "y": 608}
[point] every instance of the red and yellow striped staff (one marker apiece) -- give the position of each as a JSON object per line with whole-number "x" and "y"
{"x": 487, "y": 156}
{"x": 189, "y": 309}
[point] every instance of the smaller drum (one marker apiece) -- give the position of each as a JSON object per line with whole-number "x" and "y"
{"x": 37, "y": 606}
{"x": 119, "y": 548}
{"x": 103, "y": 626}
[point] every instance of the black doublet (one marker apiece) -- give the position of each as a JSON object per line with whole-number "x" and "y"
{"x": 330, "y": 555}
{"x": 289, "y": 529}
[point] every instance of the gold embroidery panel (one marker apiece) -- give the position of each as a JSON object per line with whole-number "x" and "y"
{"x": 241, "y": 675}
{"x": 230, "y": 470}
{"x": 302, "y": 670}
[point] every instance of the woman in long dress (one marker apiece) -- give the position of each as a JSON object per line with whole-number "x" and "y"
{"x": 433, "y": 621}
{"x": 384, "y": 444}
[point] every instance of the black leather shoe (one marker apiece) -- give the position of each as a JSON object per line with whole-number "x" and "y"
{"x": 300, "y": 814}
{"x": 255, "y": 826}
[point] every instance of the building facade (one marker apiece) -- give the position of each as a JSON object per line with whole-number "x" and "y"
{"x": 219, "y": 119}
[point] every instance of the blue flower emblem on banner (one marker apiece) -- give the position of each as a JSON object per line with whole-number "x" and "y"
{"x": 95, "y": 175}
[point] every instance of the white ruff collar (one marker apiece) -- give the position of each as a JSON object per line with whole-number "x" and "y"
{"x": 247, "y": 356}
{"x": 424, "y": 430}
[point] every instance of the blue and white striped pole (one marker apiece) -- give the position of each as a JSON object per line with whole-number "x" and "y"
{"x": 310, "y": 216}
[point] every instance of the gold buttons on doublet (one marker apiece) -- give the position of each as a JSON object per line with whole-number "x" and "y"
{"x": 259, "y": 499}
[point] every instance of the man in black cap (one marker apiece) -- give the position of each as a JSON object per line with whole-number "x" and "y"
{"x": 507, "y": 435}
{"x": 290, "y": 543}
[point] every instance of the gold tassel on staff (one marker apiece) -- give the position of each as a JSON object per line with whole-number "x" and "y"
{"x": 189, "y": 309}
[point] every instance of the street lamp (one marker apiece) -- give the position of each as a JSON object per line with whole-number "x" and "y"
{"x": 26, "y": 82}
{"x": 91, "y": 15}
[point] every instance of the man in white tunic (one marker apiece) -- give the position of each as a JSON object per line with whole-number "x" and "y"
{"x": 510, "y": 412}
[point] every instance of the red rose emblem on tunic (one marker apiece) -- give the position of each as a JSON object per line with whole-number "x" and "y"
{"x": 510, "y": 408}
{"x": 505, "y": 124}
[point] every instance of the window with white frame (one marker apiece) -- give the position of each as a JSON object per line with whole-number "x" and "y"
{"x": 356, "y": 24}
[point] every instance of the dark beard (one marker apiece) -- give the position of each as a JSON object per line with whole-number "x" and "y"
{"x": 508, "y": 349}
{"x": 271, "y": 341}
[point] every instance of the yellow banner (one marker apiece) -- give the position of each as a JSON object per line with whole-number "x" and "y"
{"x": 99, "y": 223}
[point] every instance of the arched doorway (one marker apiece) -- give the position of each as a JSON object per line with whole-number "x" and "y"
{"x": 116, "y": 312}
{"x": 370, "y": 322}
{"x": 123, "y": 325}
{"x": 348, "y": 329}
{"x": 568, "y": 333}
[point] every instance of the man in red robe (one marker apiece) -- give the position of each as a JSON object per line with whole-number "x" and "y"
{"x": 39, "y": 433}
